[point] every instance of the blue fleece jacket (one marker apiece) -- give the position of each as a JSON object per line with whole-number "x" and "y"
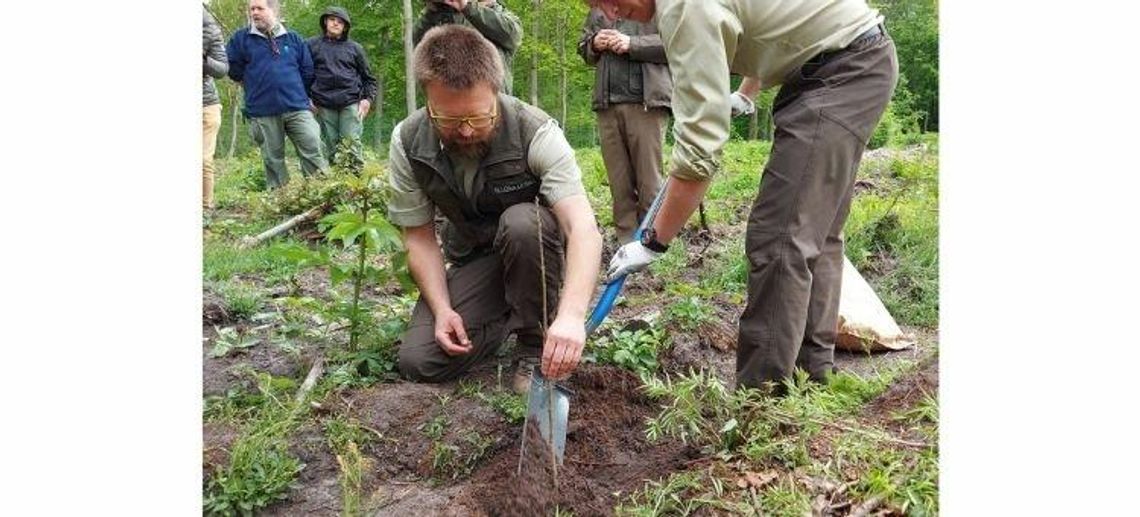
{"x": 275, "y": 75}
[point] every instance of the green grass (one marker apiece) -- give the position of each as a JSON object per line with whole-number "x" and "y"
{"x": 261, "y": 468}
{"x": 222, "y": 260}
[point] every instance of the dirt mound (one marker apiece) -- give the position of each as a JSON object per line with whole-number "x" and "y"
{"x": 606, "y": 454}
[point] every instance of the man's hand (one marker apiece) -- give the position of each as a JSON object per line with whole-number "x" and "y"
{"x": 620, "y": 43}
{"x": 601, "y": 41}
{"x": 312, "y": 107}
{"x": 450, "y": 335}
{"x": 563, "y": 346}
{"x": 459, "y": 5}
{"x": 362, "y": 109}
{"x": 741, "y": 105}
{"x": 630, "y": 258}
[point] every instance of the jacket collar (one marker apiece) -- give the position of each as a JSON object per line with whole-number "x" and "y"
{"x": 278, "y": 31}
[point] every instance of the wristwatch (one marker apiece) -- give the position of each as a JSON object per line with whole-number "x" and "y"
{"x": 649, "y": 240}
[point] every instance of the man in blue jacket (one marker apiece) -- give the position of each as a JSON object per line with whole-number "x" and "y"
{"x": 344, "y": 87}
{"x": 274, "y": 67}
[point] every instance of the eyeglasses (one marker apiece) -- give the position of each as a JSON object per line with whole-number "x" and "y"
{"x": 476, "y": 122}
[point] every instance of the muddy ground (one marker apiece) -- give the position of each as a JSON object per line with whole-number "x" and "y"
{"x": 607, "y": 456}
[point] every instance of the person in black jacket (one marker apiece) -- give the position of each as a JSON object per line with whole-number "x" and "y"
{"x": 343, "y": 86}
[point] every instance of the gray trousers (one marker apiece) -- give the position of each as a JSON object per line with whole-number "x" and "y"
{"x": 631, "y": 139}
{"x": 340, "y": 124}
{"x": 269, "y": 134}
{"x": 496, "y": 294}
{"x": 824, "y": 113}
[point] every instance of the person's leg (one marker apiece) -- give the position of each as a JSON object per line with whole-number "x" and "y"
{"x": 476, "y": 291}
{"x": 328, "y": 120}
{"x": 305, "y": 134}
{"x": 803, "y": 193}
{"x": 269, "y": 134}
{"x": 862, "y": 81}
{"x": 351, "y": 127}
{"x": 619, "y": 170}
{"x": 211, "y": 122}
{"x": 517, "y": 244}
{"x": 646, "y": 133}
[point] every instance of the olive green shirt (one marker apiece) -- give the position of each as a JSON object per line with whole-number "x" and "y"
{"x": 550, "y": 156}
{"x": 707, "y": 40}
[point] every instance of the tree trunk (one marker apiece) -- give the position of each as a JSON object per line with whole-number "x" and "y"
{"x": 536, "y": 36}
{"x": 236, "y": 103}
{"x": 562, "y": 66}
{"x": 409, "y": 75}
{"x": 378, "y": 106}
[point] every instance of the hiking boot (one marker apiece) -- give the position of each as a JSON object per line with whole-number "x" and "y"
{"x": 521, "y": 382}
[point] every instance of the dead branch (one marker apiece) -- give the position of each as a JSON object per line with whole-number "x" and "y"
{"x": 311, "y": 380}
{"x": 312, "y": 213}
{"x": 865, "y": 509}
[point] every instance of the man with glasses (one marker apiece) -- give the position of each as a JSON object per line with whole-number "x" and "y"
{"x": 275, "y": 69}
{"x": 514, "y": 213}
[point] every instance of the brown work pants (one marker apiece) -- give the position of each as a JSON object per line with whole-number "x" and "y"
{"x": 824, "y": 113}
{"x": 495, "y": 295}
{"x": 631, "y": 149}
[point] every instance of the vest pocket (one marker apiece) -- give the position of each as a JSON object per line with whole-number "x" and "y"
{"x": 500, "y": 193}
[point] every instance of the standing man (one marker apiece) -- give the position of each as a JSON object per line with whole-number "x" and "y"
{"x": 214, "y": 65}
{"x": 836, "y": 68}
{"x": 490, "y": 18}
{"x": 504, "y": 177}
{"x": 632, "y": 88}
{"x": 344, "y": 87}
{"x": 275, "y": 69}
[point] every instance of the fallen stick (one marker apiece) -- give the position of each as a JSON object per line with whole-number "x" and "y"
{"x": 311, "y": 379}
{"x": 249, "y": 242}
{"x": 863, "y": 510}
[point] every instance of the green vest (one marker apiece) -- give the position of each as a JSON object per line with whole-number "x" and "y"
{"x": 502, "y": 179}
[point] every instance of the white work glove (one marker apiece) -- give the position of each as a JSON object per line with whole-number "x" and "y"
{"x": 629, "y": 258}
{"x": 741, "y": 105}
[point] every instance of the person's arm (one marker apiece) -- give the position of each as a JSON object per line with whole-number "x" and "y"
{"x": 307, "y": 72}
{"x": 698, "y": 59}
{"x": 647, "y": 48}
{"x": 236, "y": 59}
{"x": 410, "y": 208}
{"x": 425, "y": 262}
{"x": 700, "y": 45}
{"x": 586, "y": 48}
{"x": 551, "y": 156}
{"x": 741, "y": 99}
{"x": 368, "y": 81}
{"x": 214, "y": 62}
{"x": 495, "y": 23}
{"x": 566, "y": 337}
{"x": 426, "y": 21}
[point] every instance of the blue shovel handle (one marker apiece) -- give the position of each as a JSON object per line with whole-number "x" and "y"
{"x": 609, "y": 296}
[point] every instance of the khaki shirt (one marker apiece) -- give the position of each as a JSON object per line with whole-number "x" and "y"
{"x": 706, "y": 40}
{"x": 550, "y": 156}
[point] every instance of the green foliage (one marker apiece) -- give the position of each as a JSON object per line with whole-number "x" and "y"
{"x": 913, "y": 25}
{"x": 634, "y": 350}
{"x": 261, "y": 469}
{"x": 689, "y": 312}
{"x": 699, "y": 409}
{"x": 242, "y": 300}
{"x": 682, "y": 493}
{"x": 229, "y": 339}
{"x": 508, "y": 403}
{"x": 892, "y": 238}
{"x": 785, "y": 498}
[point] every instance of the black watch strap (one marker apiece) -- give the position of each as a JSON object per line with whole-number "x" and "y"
{"x": 649, "y": 240}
